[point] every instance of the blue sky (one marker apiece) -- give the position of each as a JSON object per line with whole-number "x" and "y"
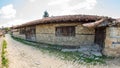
{"x": 17, "y": 3}
{"x": 14, "y": 12}
{"x": 113, "y": 5}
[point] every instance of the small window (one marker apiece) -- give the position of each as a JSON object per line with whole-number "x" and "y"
{"x": 65, "y": 31}
{"x": 22, "y": 30}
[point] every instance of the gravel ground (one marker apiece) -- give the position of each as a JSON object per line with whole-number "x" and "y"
{"x": 23, "y": 56}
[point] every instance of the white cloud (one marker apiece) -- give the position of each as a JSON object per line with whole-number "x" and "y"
{"x": 14, "y": 22}
{"x": 7, "y": 12}
{"x": 58, "y": 2}
{"x": 32, "y": 0}
{"x": 68, "y": 9}
{"x": 88, "y": 4}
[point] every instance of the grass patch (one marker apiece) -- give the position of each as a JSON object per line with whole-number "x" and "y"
{"x": 69, "y": 56}
{"x": 3, "y": 55}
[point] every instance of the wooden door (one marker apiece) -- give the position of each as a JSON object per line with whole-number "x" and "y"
{"x": 100, "y": 34}
{"x": 31, "y": 33}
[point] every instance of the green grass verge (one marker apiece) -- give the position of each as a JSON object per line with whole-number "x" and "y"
{"x": 3, "y": 55}
{"x": 69, "y": 56}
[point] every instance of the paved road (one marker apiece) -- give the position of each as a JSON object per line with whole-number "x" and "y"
{"x": 24, "y": 56}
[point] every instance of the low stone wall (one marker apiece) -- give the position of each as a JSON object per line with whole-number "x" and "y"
{"x": 71, "y": 41}
{"x": 112, "y": 42}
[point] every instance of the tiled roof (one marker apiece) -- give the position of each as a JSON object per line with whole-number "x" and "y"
{"x": 63, "y": 19}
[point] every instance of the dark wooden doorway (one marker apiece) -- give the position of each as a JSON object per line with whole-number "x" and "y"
{"x": 31, "y": 33}
{"x": 100, "y": 34}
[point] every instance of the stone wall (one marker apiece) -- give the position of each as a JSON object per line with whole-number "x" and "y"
{"x": 112, "y": 42}
{"x": 83, "y": 36}
{"x": 17, "y": 34}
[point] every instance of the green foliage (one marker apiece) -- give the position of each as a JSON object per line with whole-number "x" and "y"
{"x": 4, "y": 44}
{"x": 3, "y": 55}
{"x": 45, "y": 14}
{"x": 7, "y": 28}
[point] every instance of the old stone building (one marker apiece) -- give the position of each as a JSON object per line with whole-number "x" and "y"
{"x": 112, "y": 40}
{"x": 74, "y": 31}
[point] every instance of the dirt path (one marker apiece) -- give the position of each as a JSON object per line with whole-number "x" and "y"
{"x": 23, "y": 56}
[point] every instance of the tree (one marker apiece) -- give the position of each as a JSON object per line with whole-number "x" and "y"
{"x": 45, "y": 14}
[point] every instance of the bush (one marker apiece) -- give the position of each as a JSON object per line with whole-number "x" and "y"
{"x": 3, "y": 55}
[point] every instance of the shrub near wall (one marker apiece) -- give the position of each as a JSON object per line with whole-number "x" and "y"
{"x": 3, "y": 55}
